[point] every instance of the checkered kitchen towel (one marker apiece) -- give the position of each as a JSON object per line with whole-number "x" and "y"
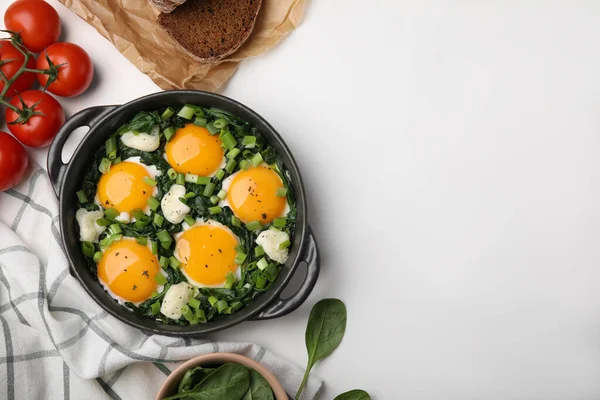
{"x": 56, "y": 342}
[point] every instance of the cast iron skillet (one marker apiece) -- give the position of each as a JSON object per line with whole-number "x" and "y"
{"x": 66, "y": 179}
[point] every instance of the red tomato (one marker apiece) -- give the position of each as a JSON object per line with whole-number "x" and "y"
{"x": 36, "y": 21}
{"x": 26, "y": 79}
{"x": 13, "y": 161}
{"x": 38, "y": 130}
{"x": 74, "y": 77}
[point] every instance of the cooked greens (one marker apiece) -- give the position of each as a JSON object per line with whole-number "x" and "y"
{"x": 230, "y": 381}
{"x": 244, "y": 146}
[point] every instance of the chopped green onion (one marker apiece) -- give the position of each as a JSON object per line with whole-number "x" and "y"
{"x": 160, "y": 278}
{"x": 201, "y": 180}
{"x": 271, "y": 272}
{"x": 189, "y": 195}
{"x": 180, "y": 179}
{"x": 200, "y": 315}
{"x": 111, "y": 148}
{"x": 209, "y": 189}
{"x": 221, "y": 306}
{"x": 106, "y": 242}
{"x": 215, "y": 210}
{"x": 284, "y": 245}
{"x": 158, "y": 220}
{"x": 115, "y": 229}
{"x": 142, "y": 222}
{"x": 249, "y": 142}
{"x": 214, "y": 200}
{"x": 236, "y": 305}
{"x": 229, "y": 280}
{"x": 164, "y": 238}
{"x": 169, "y": 133}
{"x": 194, "y": 303}
{"x": 262, "y": 264}
{"x": 281, "y": 192}
{"x": 221, "y": 123}
{"x": 253, "y": 225}
{"x": 153, "y": 203}
{"x": 257, "y": 159}
{"x": 245, "y": 164}
{"x": 247, "y": 154}
{"x": 174, "y": 263}
{"x": 111, "y": 213}
{"x": 186, "y": 112}
{"x": 235, "y": 221}
{"x": 189, "y": 220}
{"x": 154, "y": 246}
{"x": 104, "y": 165}
{"x": 212, "y": 129}
{"x": 155, "y": 308}
{"x": 222, "y": 194}
{"x": 167, "y": 114}
{"x": 239, "y": 248}
{"x": 259, "y": 251}
{"x": 142, "y": 240}
{"x": 199, "y": 121}
{"x": 88, "y": 249}
{"x": 104, "y": 222}
{"x": 228, "y": 141}
{"x": 137, "y": 213}
{"x": 280, "y": 222}
{"x": 230, "y": 166}
{"x": 220, "y": 174}
{"x": 116, "y": 161}
{"x": 261, "y": 281}
{"x": 164, "y": 262}
{"x": 172, "y": 174}
{"x": 183, "y": 200}
{"x": 240, "y": 258}
{"x": 97, "y": 257}
{"x": 82, "y": 197}
{"x": 149, "y": 181}
{"x": 212, "y": 300}
{"x": 233, "y": 153}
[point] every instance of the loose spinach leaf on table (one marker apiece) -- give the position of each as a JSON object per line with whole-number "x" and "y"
{"x": 355, "y": 394}
{"x": 230, "y": 381}
{"x": 324, "y": 332}
{"x": 259, "y": 388}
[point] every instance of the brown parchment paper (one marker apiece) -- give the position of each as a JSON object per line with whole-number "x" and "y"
{"x": 131, "y": 26}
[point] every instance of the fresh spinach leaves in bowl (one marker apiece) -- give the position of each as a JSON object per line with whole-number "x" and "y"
{"x": 186, "y": 214}
{"x": 229, "y": 381}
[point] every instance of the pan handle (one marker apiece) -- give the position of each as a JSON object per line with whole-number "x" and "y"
{"x": 88, "y": 117}
{"x": 280, "y": 307}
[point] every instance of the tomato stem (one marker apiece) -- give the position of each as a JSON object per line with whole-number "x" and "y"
{"x": 7, "y": 104}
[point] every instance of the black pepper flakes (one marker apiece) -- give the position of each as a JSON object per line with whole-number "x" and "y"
{"x": 134, "y": 287}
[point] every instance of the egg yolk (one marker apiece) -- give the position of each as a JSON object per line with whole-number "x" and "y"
{"x": 194, "y": 150}
{"x": 128, "y": 269}
{"x": 123, "y": 187}
{"x": 251, "y": 195}
{"x": 207, "y": 253}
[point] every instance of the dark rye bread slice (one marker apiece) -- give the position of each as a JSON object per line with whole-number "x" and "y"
{"x": 210, "y": 30}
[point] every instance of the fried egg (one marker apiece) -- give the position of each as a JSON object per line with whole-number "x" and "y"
{"x": 207, "y": 252}
{"x": 123, "y": 186}
{"x": 193, "y": 150}
{"x": 127, "y": 271}
{"x": 251, "y": 195}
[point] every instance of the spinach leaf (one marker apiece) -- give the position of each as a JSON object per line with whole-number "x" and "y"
{"x": 324, "y": 332}
{"x": 193, "y": 377}
{"x": 259, "y": 388}
{"x": 230, "y": 381}
{"x": 355, "y": 394}
{"x": 144, "y": 121}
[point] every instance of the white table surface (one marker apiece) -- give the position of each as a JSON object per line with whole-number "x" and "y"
{"x": 450, "y": 154}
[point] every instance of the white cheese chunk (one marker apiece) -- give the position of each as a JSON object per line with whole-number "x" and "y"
{"x": 142, "y": 141}
{"x": 175, "y": 211}
{"x": 89, "y": 230}
{"x": 270, "y": 241}
{"x": 176, "y": 297}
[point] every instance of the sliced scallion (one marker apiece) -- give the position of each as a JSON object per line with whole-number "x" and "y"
{"x": 200, "y": 315}
{"x": 97, "y": 257}
{"x": 222, "y": 194}
{"x": 104, "y": 222}
{"x": 180, "y": 179}
{"x": 212, "y": 300}
{"x": 88, "y": 249}
{"x": 284, "y": 245}
{"x": 111, "y": 148}
{"x": 220, "y": 123}
{"x": 153, "y": 203}
{"x": 194, "y": 303}
{"x": 149, "y": 181}
{"x": 229, "y": 141}
{"x": 208, "y": 189}
{"x": 259, "y": 251}
{"x": 249, "y": 142}
{"x": 240, "y": 258}
{"x": 104, "y": 165}
{"x": 116, "y": 161}
{"x": 174, "y": 263}
{"x": 155, "y": 308}
{"x": 167, "y": 114}
{"x": 280, "y": 222}
{"x": 189, "y": 220}
{"x": 212, "y": 129}
{"x": 164, "y": 262}
{"x": 220, "y": 174}
{"x": 137, "y": 213}
{"x": 142, "y": 240}
{"x": 233, "y": 153}
{"x": 111, "y": 213}
{"x": 172, "y": 174}
{"x": 281, "y": 192}
{"x": 230, "y": 166}
{"x": 262, "y": 263}
{"x": 189, "y": 195}
{"x": 215, "y": 210}
{"x": 214, "y": 200}
{"x": 115, "y": 229}
{"x": 82, "y": 197}
{"x": 253, "y": 225}
{"x": 199, "y": 121}
{"x": 154, "y": 247}
{"x": 245, "y": 164}
{"x": 257, "y": 159}
{"x": 169, "y": 133}
{"x": 221, "y": 306}
{"x": 186, "y": 112}
{"x": 235, "y": 221}
{"x": 261, "y": 281}
{"x": 158, "y": 220}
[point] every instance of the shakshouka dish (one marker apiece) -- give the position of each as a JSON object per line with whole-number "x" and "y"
{"x": 186, "y": 213}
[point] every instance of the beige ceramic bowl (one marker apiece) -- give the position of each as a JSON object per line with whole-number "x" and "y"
{"x": 169, "y": 388}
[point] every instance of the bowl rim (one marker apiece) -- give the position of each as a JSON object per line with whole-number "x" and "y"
{"x": 302, "y": 230}
{"x": 177, "y": 373}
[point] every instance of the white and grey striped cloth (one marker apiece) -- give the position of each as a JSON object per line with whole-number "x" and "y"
{"x": 57, "y": 343}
